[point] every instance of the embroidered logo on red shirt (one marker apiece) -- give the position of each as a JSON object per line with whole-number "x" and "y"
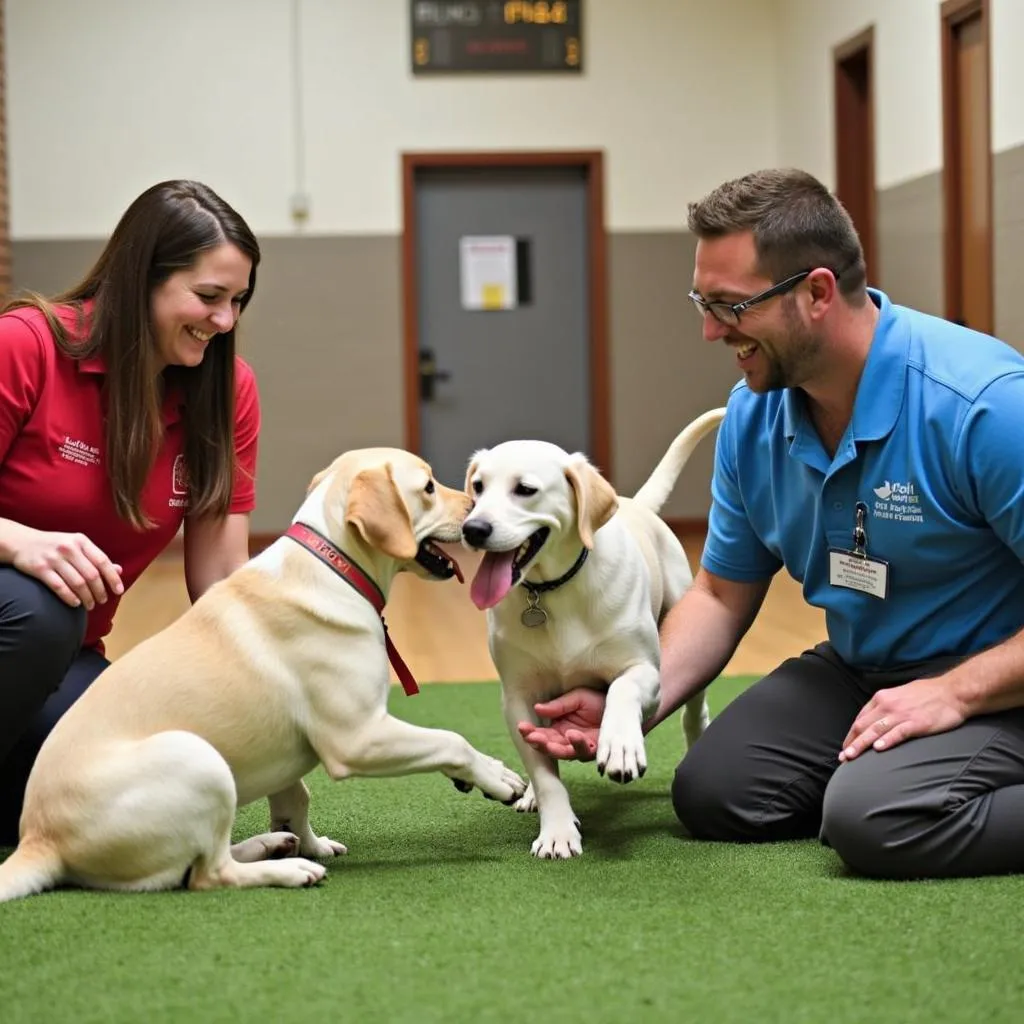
{"x": 179, "y": 484}
{"x": 79, "y": 452}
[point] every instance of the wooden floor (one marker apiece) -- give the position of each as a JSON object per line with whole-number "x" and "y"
{"x": 442, "y": 636}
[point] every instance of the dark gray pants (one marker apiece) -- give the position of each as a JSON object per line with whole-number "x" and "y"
{"x": 43, "y": 671}
{"x": 935, "y": 806}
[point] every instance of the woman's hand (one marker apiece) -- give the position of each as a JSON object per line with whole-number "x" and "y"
{"x": 77, "y": 571}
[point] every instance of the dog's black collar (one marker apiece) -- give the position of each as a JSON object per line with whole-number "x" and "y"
{"x": 542, "y": 588}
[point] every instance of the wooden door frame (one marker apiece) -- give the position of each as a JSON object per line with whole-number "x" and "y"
{"x": 953, "y": 13}
{"x": 862, "y": 42}
{"x": 592, "y": 162}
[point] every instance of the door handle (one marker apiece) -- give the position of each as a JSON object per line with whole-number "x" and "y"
{"x": 429, "y": 374}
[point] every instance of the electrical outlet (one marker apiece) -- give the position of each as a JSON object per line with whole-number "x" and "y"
{"x": 300, "y": 206}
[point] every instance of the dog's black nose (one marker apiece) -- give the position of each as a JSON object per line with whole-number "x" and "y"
{"x": 476, "y": 531}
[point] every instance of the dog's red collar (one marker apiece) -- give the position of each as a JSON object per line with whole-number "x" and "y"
{"x": 316, "y": 542}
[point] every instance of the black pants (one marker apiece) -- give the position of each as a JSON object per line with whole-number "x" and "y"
{"x": 43, "y": 671}
{"x": 935, "y": 806}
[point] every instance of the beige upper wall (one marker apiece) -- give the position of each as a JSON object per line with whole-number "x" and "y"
{"x": 108, "y": 96}
{"x": 908, "y": 99}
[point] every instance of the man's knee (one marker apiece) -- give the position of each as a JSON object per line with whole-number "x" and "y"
{"x": 871, "y": 833}
{"x": 705, "y": 800}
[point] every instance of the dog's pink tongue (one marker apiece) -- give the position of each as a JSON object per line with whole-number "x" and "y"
{"x": 493, "y": 579}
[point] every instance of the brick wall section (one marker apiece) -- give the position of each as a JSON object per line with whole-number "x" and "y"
{"x": 5, "y": 235}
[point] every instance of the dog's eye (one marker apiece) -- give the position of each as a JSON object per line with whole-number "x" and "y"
{"x": 478, "y": 487}
{"x": 430, "y": 487}
{"x": 524, "y": 491}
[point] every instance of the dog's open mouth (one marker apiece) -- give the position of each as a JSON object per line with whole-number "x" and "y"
{"x": 499, "y": 571}
{"x": 439, "y": 564}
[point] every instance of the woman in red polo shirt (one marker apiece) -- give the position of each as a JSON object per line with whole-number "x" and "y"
{"x": 124, "y": 412}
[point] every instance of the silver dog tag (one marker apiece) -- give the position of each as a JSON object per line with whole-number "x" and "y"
{"x": 533, "y": 615}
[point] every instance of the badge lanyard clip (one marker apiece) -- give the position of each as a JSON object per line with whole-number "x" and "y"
{"x": 860, "y": 537}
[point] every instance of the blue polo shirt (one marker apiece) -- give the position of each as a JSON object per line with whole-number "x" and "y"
{"x": 935, "y": 450}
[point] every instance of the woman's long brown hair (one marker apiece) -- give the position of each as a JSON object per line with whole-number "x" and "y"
{"x": 164, "y": 230}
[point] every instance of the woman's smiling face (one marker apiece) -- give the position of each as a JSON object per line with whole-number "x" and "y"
{"x": 195, "y": 304}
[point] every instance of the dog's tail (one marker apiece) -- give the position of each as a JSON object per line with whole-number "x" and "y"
{"x": 33, "y": 867}
{"x": 654, "y": 493}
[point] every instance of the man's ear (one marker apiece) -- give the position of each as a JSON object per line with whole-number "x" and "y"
{"x": 823, "y": 290}
{"x": 596, "y": 500}
{"x": 376, "y": 509}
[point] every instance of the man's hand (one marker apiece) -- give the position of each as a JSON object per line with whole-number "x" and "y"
{"x": 575, "y": 724}
{"x": 920, "y": 708}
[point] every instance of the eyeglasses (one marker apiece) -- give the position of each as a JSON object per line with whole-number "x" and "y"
{"x": 729, "y": 313}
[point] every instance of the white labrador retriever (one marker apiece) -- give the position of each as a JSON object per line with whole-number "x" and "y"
{"x": 279, "y": 667}
{"x": 576, "y": 580}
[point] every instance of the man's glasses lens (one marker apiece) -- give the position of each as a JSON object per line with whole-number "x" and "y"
{"x": 721, "y": 311}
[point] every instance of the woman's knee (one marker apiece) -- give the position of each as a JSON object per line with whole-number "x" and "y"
{"x": 36, "y": 623}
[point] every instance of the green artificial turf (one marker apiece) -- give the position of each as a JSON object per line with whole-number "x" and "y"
{"x": 439, "y": 913}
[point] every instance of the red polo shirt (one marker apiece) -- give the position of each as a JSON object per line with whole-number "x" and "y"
{"x": 52, "y": 449}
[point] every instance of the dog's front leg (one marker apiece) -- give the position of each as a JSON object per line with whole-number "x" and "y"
{"x": 391, "y": 746}
{"x": 621, "y": 752}
{"x": 559, "y": 837}
{"x": 289, "y": 812}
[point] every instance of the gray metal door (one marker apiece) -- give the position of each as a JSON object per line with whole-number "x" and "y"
{"x": 492, "y": 375}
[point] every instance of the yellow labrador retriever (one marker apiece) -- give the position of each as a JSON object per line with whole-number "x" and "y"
{"x": 279, "y": 667}
{"x": 576, "y": 580}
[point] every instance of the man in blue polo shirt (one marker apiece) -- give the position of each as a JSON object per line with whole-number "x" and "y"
{"x": 874, "y": 452}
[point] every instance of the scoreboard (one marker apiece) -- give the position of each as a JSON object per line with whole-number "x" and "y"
{"x": 496, "y": 36}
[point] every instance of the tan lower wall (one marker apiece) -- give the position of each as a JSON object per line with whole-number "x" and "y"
{"x": 910, "y": 220}
{"x": 1008, "y": 244}
{"x": 324, "y": 334}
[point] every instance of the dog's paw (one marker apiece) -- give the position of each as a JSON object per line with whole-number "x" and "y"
{"x": 558, "y": 842}
{"x": 527, "y": 803}
{"x": 297, "y": 873}
{"x": 323, "y": 847}
{"x": 514, "y": 783}
{"x": 621, "y": 754}
{"x": 495, "y": 780}
{"x": 269, "y": 846}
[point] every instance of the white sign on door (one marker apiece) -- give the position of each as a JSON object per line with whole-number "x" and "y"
{"x": 487, "y": 271}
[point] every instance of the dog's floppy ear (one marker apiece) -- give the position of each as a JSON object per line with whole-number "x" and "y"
{"x": 316, "y": 480}
{"x": 473, "y": 463}
{"x": 596, "y": 500}
{"x": 376, "y": 509}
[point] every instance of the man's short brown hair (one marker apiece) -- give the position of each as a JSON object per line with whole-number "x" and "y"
{"x": 796, "y": 222}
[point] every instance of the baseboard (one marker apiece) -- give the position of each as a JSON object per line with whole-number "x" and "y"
{"x": 681, "y": 526}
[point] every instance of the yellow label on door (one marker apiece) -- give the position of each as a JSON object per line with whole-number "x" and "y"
{"x": 493, "y": 296}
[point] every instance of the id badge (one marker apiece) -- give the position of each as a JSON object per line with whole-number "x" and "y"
{"x": 858, "y": 572}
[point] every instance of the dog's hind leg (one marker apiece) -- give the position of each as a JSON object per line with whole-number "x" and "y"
{"x": 695, "y": 718}
{"x": 170, "y": 822}
{"x": 390, "y": 746}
